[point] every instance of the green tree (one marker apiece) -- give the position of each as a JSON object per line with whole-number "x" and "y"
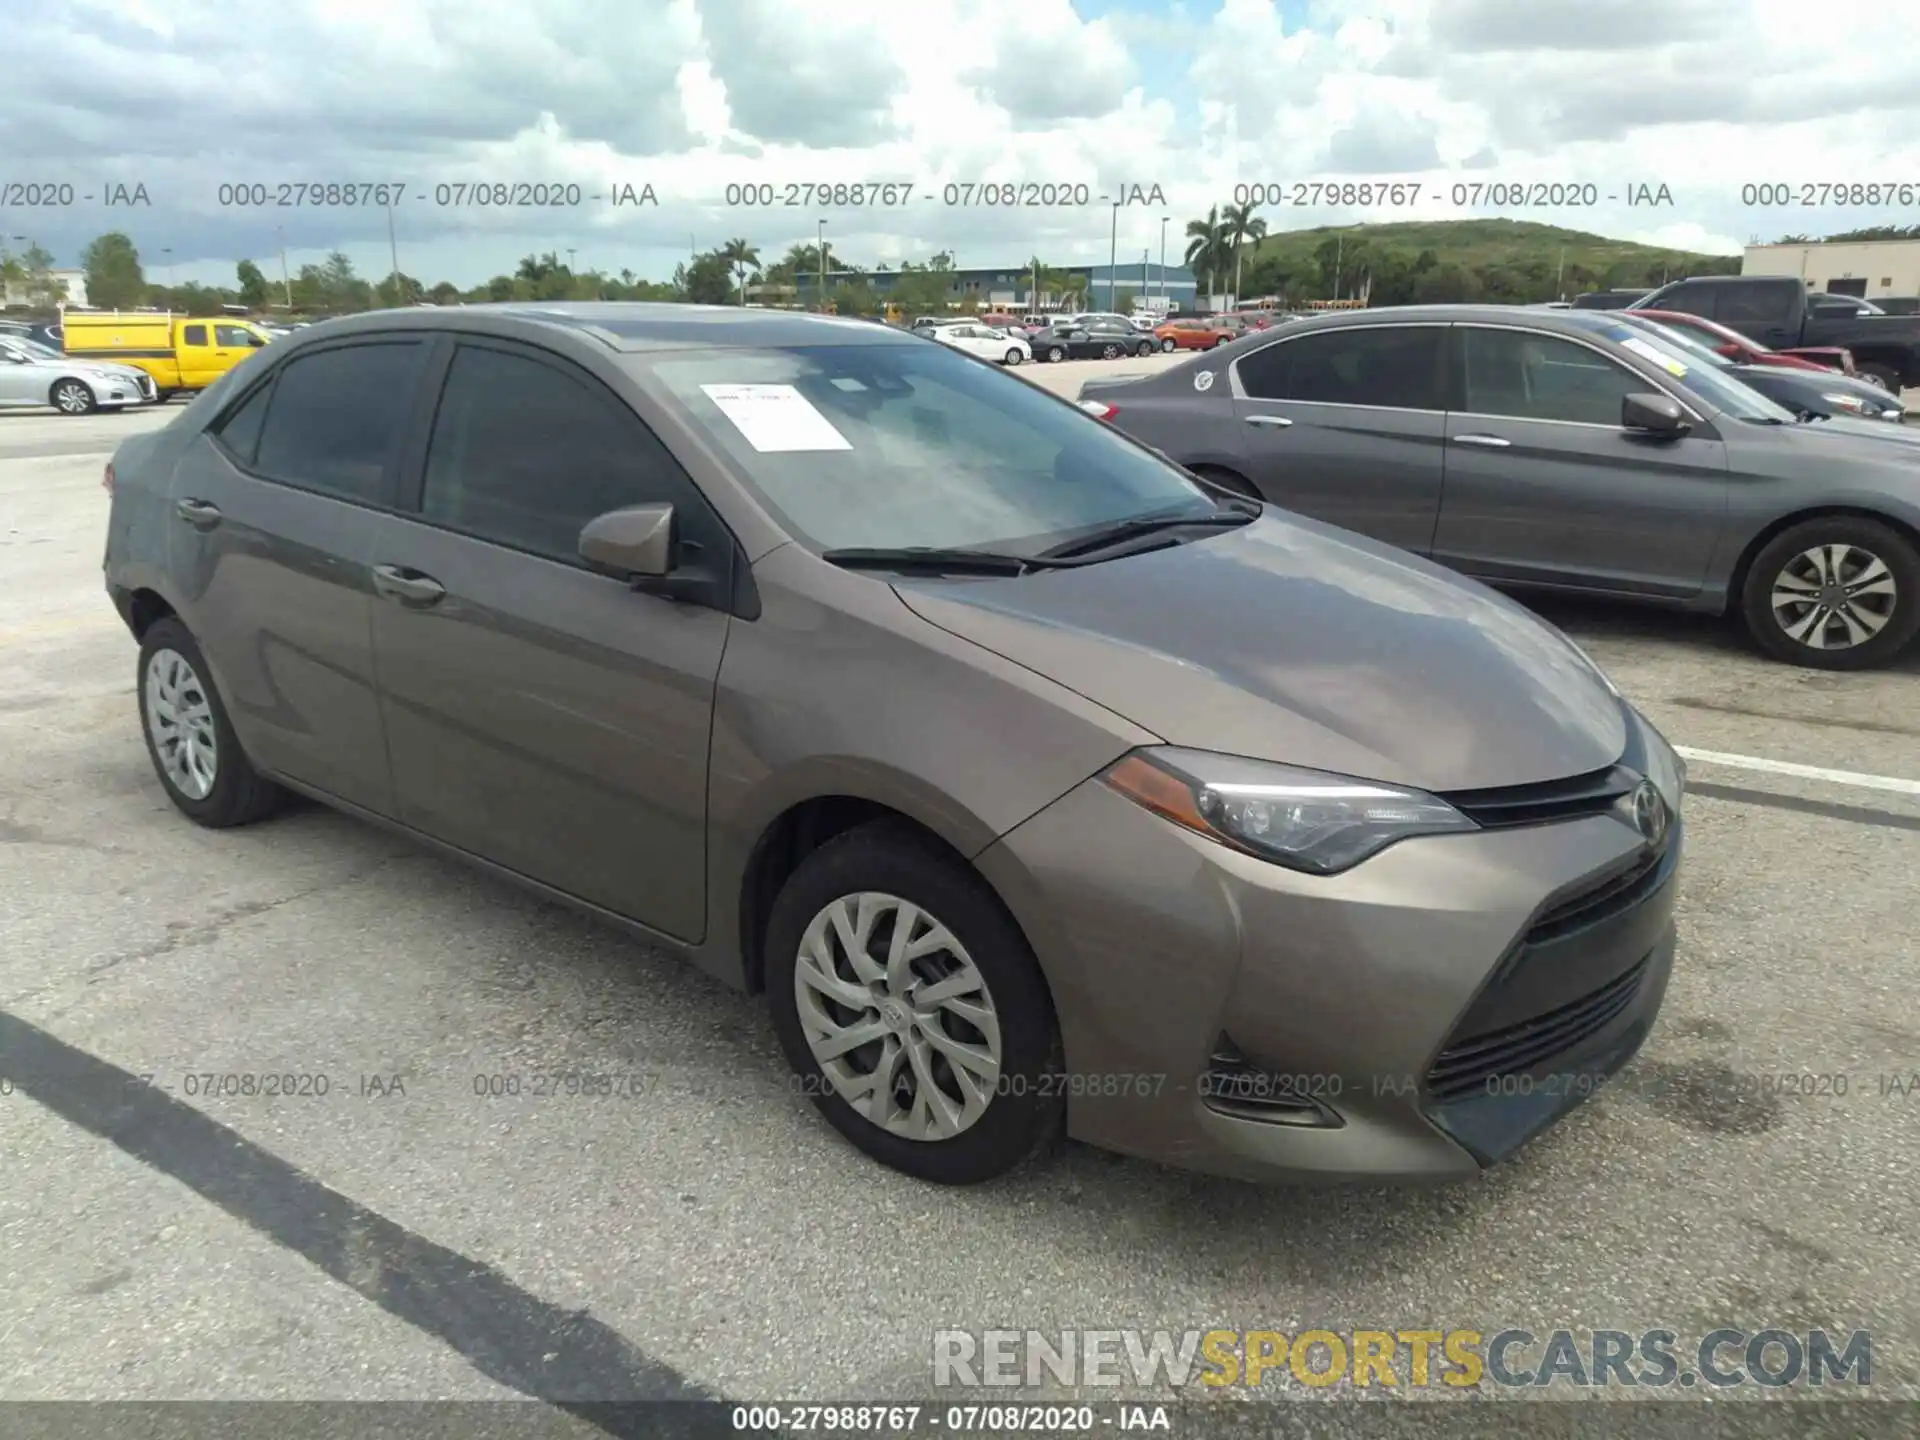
{"x": 1207, "y": 248}
{"x": 399, "y": 290}
{"x": 1447, "y": 284}
{"x": 742, "y": 259}
{"x": 253, "y": 285}
{"x": 705, "y": 280}
{"x": 114, "y": 278}
{"x": 1123, "y": 303}
{"x": 1241, "y": 229}
{"x": 444, "y": 294}
{"x": 42, "y": 290}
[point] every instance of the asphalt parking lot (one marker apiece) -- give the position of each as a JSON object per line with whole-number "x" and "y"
{"x": 405, "y": 1237}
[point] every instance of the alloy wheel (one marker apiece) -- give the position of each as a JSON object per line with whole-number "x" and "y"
{"x": 180, "y": 721}
{"x": 70, "y": 397}
{"x": 1168, "y": 346}
{"x": 897, "y": 1016}
{"x": 1834, "y": 597}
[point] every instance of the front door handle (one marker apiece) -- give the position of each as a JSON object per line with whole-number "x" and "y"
{"x": 197, "y": 513}
{"x": 1492, "y": 442}
{"x": 1270, "y": 422}
{"x": 408, "y": 587}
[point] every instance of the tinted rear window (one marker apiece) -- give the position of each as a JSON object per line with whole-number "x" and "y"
{"x": 337, "y": 418}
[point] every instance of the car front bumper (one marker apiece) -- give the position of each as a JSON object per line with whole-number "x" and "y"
{"x": 1419, "y": 1017}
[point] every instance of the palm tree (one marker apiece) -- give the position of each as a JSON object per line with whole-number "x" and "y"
{"x": 741, "y": 257}
{"x": 1207, "y": 246}
{"x": 1240, "y": 227}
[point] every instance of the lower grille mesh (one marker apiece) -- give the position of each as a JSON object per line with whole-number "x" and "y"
{"x": 1463, "y": 1069}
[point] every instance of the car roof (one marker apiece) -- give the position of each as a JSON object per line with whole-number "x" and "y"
{"x": 629, "y": 326}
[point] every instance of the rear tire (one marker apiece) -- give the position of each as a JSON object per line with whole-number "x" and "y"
{"x": 196, "y": 754}
{"x": 1055, "y": 354}
{"x": 895, "y": 873}
{"x": 1847, "y": 580}
{"x": 1168, "y": 346}
{"x": 1013, "y": 357}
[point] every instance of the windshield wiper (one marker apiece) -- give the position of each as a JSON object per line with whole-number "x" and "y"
{"x": 1120, "y": 530}
{"x": 933, "y": 559}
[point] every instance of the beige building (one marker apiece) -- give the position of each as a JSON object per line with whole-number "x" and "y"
{"x": 1871, "y": 269}
{"x": 75, "y": 282}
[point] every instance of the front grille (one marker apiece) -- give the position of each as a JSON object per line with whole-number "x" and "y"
{"x": 1575, "y": 798}
{"x": 1614, "y": 894}
{"x": 1464, "y": 1068}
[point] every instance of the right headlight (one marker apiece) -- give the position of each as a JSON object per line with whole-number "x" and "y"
{"x": 1307, "y": 820}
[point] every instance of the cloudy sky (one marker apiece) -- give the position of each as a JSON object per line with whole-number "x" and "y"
{"x": 692, "y": 96}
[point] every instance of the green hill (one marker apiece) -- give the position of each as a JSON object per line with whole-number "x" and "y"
{"x": 1441, "y": 260}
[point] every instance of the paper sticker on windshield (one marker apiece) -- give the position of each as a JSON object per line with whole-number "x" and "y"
{"x": 1204, "y": 380}
{"x": 776, "y": 419}
{"x": 1654, "y": 353}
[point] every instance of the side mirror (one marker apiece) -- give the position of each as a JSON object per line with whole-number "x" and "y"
{"x": 1655, "y": 414}
{"x": 636, "y": 543}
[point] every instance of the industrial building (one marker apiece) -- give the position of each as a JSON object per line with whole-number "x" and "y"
{"x": 1869, "y": 269}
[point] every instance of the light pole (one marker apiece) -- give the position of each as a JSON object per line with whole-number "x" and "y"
{"x": 1163, "y": 256}
{"x": 1113, "y": 254}
{"x": 286, "y": 284}
{"x": 393, "y": 256}
{"x": 820, "y": 254}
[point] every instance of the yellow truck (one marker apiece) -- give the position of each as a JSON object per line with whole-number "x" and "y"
{"x": 180, "y": 352}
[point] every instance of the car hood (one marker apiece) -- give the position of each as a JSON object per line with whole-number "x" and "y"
{"x": 1291, "y": 641}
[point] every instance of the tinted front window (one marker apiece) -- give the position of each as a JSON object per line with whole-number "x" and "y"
{"x": 337, "y": 417}
{"x": 895, "y": 445}
{"x": 526, "y": 454}
{"x": 1769, "y": 303}
{"x": 1540, "y": 377}
{"x": 1726, "y": 393}
{"x": 1378, "y": 365}
{"x": 235, "y": 335}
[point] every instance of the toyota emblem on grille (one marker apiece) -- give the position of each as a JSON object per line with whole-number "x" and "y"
{"x": 1648, "y": 813}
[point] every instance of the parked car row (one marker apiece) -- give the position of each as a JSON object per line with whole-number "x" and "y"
{"x": 1574, "y": 450}
{"x": 1004, "y": 756}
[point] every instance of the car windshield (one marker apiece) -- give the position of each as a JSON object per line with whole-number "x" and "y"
{"x": 891, "y": 446}
{"x": 1725, "y": 393}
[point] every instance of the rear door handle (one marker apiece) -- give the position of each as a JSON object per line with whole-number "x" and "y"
{"x": 408, "y": 587}
{"x": 1270, "y": 422}
{"x": 1492, "y": 442}
{"x": 197, "y": 513}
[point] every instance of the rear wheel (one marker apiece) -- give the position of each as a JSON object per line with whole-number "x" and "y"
{"x": 912, "y": 1009}
{"x": 1055, "y": 354}
{"x": 1109, "y": 352}
{"x": 189, "y": 738}
{"x": 72, "y": 397}
{"x": 1837, "y": 592}
{"x": 1013, "y": 357}
{"x": 1168, "y": 345}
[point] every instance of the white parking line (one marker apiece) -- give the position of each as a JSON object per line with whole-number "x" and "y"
{"x": 1855, "y": 778}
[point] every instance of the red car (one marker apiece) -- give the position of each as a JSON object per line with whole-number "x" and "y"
{"x": 1742, "y": 351}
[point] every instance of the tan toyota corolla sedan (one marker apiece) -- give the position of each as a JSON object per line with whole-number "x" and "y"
{"x": 1037, "y": 783}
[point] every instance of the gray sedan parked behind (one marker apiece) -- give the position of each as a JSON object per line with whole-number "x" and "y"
{"x": 1032, "y": 779}
{"x": 1559, "y": 450}
{"x": 31, "y": 374}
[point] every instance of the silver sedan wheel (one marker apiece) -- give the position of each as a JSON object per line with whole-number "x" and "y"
{"x": 180, "y": 720}
{"x": 1834, "y": 597}
{"x": 897, "y": 1016}
{"x": 70, "y": 397}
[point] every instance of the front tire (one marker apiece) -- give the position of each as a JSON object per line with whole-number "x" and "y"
{"x": 72, "y": 397}
{"x": 1109, "y": 352}
{"x": 912, "y": 1010}
{"x": 1055, "y": 354}
{"x": 189, "y": 738}
{"x": 1838, "y": 592}
{"x": 1885, "y": 374}
{"x": 1168, "y": 346}
{"x": 1013, "y": 357}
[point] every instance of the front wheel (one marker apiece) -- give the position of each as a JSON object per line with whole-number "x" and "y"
{"x": 1055, "y": 354}
{"x": 1838, "y": 592}
{"x": 1886, "y": 375}
{"x": 1223, "y": 340}
{"x": 189, "y": 738}
{"x": 911, "y": 1008}
{"x": 1013, "y": 357}
{"x": 1168, "y": 346}
{"x": 72, "y": 397}
{"x": 1109, "y": 352}
{"x": 1144, "y": 349}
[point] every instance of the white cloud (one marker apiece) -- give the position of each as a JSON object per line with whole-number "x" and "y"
{"x": 692, "y": 96}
